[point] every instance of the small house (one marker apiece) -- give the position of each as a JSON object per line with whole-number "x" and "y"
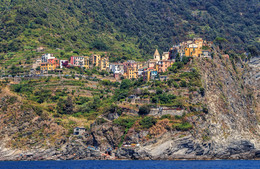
{"x": 206, "y": 53}
{"x": 79, "y": 131}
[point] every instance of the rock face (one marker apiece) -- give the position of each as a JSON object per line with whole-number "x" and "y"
{"x": 229, "y": 130}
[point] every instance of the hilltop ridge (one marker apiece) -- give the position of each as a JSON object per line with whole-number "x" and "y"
{"x": 127, "y": 28}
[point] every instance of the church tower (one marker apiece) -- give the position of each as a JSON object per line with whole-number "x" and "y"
{"x": 156, "y": 55}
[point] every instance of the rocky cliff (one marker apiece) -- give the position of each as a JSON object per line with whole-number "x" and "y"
{"x": 229, "y": 129}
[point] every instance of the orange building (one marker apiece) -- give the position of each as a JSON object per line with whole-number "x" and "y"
{"x": 54, "y": 61}
{"x": 132, "y": 73}
{"x": 192, "y": 51}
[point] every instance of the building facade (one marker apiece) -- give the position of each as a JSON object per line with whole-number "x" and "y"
{"x": 77, "y": 61}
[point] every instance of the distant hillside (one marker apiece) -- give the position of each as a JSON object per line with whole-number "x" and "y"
{"x": 127, "y": 28}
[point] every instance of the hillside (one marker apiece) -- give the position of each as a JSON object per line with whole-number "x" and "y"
{"x": 77, "y": 79}
{"x": 126, "y": 28}
{"x": 212, "y": 111}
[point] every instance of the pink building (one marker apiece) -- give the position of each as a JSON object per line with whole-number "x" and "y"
{"x": 152, "y": 63}
{"x": 130, "y": 64}
{"x": 77, "y": 61}
{"x": 164, "y": 64}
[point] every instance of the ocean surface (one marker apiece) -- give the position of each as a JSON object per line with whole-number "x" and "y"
{"x": 218, "y": 164}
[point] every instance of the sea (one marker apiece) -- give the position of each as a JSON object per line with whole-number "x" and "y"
{"x": 85, "y": 164}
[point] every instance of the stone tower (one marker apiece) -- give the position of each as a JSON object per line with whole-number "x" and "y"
{"x": 156, "y": 55}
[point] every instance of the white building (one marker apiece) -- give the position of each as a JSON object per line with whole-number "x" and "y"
{"x": 116, "y": 68}
{"x": 165, "y": 56}
{"x": 47, "y": 56}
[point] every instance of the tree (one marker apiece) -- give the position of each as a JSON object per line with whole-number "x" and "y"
{"x": 65, "y": 106}
{"x": 202, "y": 91}
{"x": 159, "y": 91}
{"x": 144, "y": 110}
{"x": 183, "y": 83}
{"x": 125, "y": 84}
{"x": 253, "y": 51}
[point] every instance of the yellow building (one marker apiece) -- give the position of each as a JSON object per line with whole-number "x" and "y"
{"x": 147, "y": 74}
{"x": 45, "y": 67}
{"x": 86, "y": 62}
{"x": 192, "y": 51}
{"x": 51, "y": 66}
{"x": 104, "y": 63}
{"x": 95, "y": 60}
{"x": 131, "y": 73}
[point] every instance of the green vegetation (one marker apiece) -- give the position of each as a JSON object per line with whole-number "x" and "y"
{"x": 185, "y": 126}
{"x": 147, "y": 122}
{"x": 127, "y": 28}
{"x": 144, "y": 110}
{"x": 126, "y": 122}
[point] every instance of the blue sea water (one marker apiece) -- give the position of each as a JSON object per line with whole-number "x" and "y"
{"x": 217, "y": 164}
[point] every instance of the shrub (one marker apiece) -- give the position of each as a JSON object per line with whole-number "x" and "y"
{"x": 125, "y": 84}
{"x": 12, "y": 100}
{"x": 175, "y": 84}
{"x": 185, "y": 126}
{"x": 166, "y": 116}
{"x": 205, "y": 110}
{"x": 202, "y": 91}
{"x": 65, "y": 106}
{"x": 101, "y": 121}
{"x": 159, "y": 91}
{"x": 183, "y": 83}
{"x": 144, "y": 110}
{"x": 126, "y": 122}
{"x": 148, "y": 122}
{"x": 38, "y": 110}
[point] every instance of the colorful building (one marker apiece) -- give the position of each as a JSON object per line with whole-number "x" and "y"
{"x": 47, "y": 56}
{"x": 95, "y": 60}
{"x": 54, "y": 61}
{"x": 77, "y": 61}
{"x": 116, "y": 67}
{"x": 165, "y": 56}
{"x": 104, "y": 63}
{"x": 131, "y": 73}
{"x": 164, "y": 64}
{"x": 45, "y": 67}
{"x": 146, "y": 75}
{"x": 87, "y": 62}
{"x": 199, "y": 42}
{"x": 192, "y": 51}
{"x": 152, "y": 63}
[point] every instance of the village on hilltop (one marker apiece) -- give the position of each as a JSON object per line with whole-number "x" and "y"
{"x": 130, "y": 69}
